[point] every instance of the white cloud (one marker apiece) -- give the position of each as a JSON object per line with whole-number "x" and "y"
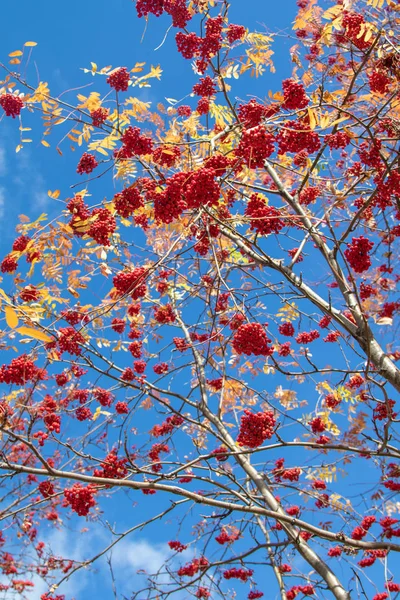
{"x": 140, "y": 554}
{"x": 3, "y": 164}
{"x": 2, "y": 202}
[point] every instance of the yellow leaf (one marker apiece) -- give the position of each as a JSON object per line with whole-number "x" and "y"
{"x": 2, "y": 293}
{"x": 99, "y": 412}
{"x": 96, "y": 413}
{"x": 15, "y": 61}
{"x": 94, "y": 67}
{"x": 11, "y": 317}
{"x": 30, "y": 44}
{"x": 15, "y": 53}
{"x": 44, "y": 143}
{"x": 313, "y": 118}
{"x": 35, "y": 334}
{"x": 55, "y": 194}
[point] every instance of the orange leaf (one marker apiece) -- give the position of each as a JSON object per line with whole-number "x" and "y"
{"x": 11, "y": 317}
{"x": 35, "y": 334}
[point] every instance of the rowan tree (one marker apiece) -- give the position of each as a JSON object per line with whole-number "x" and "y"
{"x": 204, "y": 336}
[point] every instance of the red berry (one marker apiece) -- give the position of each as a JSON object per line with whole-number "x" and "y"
{"x": 119, "y": 80}
{"x": 11, "y": 105}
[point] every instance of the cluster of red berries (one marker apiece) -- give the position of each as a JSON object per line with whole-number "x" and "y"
{"x": 11, "y": 105}
{"x": 169, "y": 204}
{"x": 255, "y": 146}
{"x": 103, "y": 397}
{"x": 168, "y": 426}
{"x": 279, "y": 472}
{"x": 161, "y": 368}
{"x": 121, "y": 408}
{"x": 251, "y": 338}
{"x": 202, "y": 592}
{"x": 119, "y": 80}
{"x": 21, "y": 370}
{"x": 337, "y": 140}
{"x": 335, "y": 551}
{"x": 188, "y": 44}
{"x": 134, "y": 144}
{"x": 29, "y": 294}
{"x": 284, "y": 349}
{"x": 293, "y": 511}
{"x": 255, "y": 594}
{"x": 294, "y": 95}
{"x": 371, "y": 557}
{"x": 166, "y": 156}
{"x": 235, "y": 32}
{"x": 388, "y": 309}
{"x": 384, "y": 411}
{"x": 46, "y": 488}
{"x": 263, "y": 218}
{"x": 154, "y": 456}
{"x": 192, "y": 568}
{"x": 306, "y": 590}
{"x": 177, "y": 546}
{"x": 164, "y": 314}
{"x": 323, "y": 501}
{"x": 292, "y": 253}
{"x": 355, "y": 382}
{"x": 80, "y": 213}
{"x": 176, "y": 8}
{"x": 306, "y": 337}
{"x": 317, "y": 425}
{"x": 220, "y": 454}
{"x": 286, "y": 329}
{"x": 87, "y": 163}
{"x": 118, "y": 325}
{"x": 184, "y": 111}
{"x": 252, "y": 113}
{"x": 47, "y": 410}
{"x": 255, "y": 428}
{"x": 332, "y": 401}
{"x": 369, "y": 154}
{"x": 80, "y": 498}
{"x": 201, "y": 189}
{"x": 392, "y": 587}
{"x": 135, "y": 348}
{"x": 235, "y": 573}
{"x": 357, "y": 254}
{"x": 226, "y": 538}
{"x": 131, "y": 282}
{"x": 127, "y": 201}
{"x": 20, "y": 243}
{"x": 205, "y": 87}
{"x": 332, "y": 337}
{"x": 361, "y": 530}
{"x": 70, "y": 341}
{"x": 387, "y": 525}
{"x": 324, "y": 322}
{"x": 112, "y": 467}
{"x": 352, "y": 23}
{"x": 9, "y": 264}
{"x": 99, "y": 116}
{"x": 102, "y": 227}
{"x": 296, "y": 136}
{"x": 74, "y": 317}
{"x": 180, "y": 344}
{"x": 83, "y": 413}
{"x": 309, "y": 195}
